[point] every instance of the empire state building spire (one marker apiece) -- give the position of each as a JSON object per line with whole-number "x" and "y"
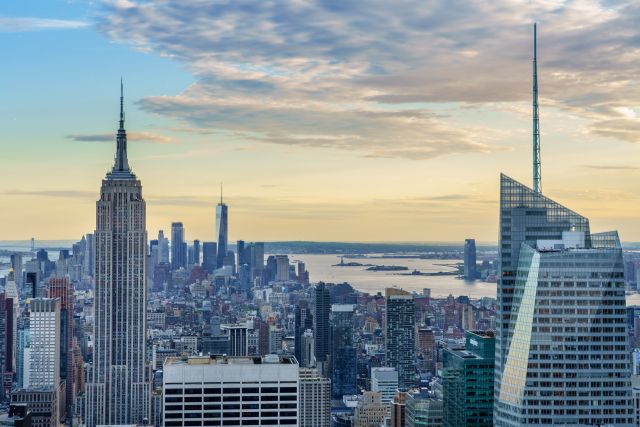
{"x": 121, "y": 162}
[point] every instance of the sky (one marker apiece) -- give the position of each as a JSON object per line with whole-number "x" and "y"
{"x": 324, "y": 120}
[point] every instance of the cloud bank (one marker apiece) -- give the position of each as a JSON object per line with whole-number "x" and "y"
{"x": 371, "y": 76}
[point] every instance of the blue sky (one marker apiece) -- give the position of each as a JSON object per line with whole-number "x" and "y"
{"x": 326, "y": 120}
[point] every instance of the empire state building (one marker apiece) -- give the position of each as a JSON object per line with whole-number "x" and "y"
{"x": 119, "y": 388}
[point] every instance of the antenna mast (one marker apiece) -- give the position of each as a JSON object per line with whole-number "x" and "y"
{"x": 537, "y": 172}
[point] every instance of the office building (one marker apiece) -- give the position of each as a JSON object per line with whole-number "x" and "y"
{"x": 398, "y": 409}
{"x": 178, "y": 246}
{"x": 209, "y": 256}
{"x": 384, "y": 380}
{"x": 6, "y": 345}
{"x": 222, "y": 231}
{"x": 562, "y": 295}
{"x": 238, "y": 338}
{"x": 307, "y": 354}
{"x": 282, "y": 268}
{"x": 196, "y": 252}
{"x": 400, "y": 335}
{"x": 118, "y": 390}
{"x": 163, "y": 248}
{"x": 45, "y": 334}
{"x": 16, "y": 265}
{"x": 468, "y": 381}
{"x": 314, "y": 404}
{"x": 470, "y": 262}
{"x": 231, "y": 391}
{"x": 343, "y": 352}
{"x": 42, "y": 404}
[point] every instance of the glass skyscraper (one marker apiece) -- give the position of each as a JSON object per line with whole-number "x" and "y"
{"x": 343, "y": 352}
{"x": 222, "y": 232}
{"x": 562, "y": 353}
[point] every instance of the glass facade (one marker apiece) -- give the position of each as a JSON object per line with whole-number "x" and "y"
{"x": 562, "y": 353}
{"x": 468, "y": 382}
{"x": 343, "y": 352}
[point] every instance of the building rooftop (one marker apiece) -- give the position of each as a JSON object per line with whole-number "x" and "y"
{"x": 232, "y": 360}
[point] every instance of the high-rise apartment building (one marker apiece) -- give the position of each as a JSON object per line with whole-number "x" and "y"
{"x": 178, "y": 246}
{"x": 562, "y": 351}
{"x": 222, "y": 232}
{"x": 314, "y": 404}
{"x": 468, "y": 381}
{"x": 400, "y": 335}
{"x": 470, "y": 266}
{"x": 344, "y": 355}
{"x": 231, "y": 391}
{"x": 321, "y": 330}
{"x": 118, "y": 390}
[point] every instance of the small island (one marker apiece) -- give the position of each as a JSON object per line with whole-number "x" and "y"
{"x": 387, "y": 268}
{"x": 350, "y": 264}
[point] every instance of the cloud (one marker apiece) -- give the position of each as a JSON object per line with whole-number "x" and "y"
{"x": 53, "y": 193}
{"x": 612, "y": 167}
{"x": 341, "y": 75}
{"x": 21, "y": 25}
{"x": 131, "y": 136}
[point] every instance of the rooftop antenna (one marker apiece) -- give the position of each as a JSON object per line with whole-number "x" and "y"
{"x": 121, "y": 104}
{"x": 537, "y": 172}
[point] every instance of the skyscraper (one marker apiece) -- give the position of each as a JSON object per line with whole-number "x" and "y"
{"x": 343, "y": 352}
{"x": 561, "y": 345}
{"x": 118, "y": 391}
{"x": 321, "y": 318}
{"x": 468, "y": 382}
{"x": 178, "y": 246}
{"x": 303, "y": 320}
{"x": 44, "y": 356}
{"x": 222, "y": 230}
{"x": 400, "y": 335}
{"x": 209, "y": 256}
{"x": 61, "y": 288}
{"x": 470, "y": 272}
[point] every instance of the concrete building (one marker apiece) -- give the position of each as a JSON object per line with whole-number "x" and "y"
{"x": 231, "y": 391}
{"x": 44, "y": 354}
{"x": 370, "y": 410}
{"x": 315, "y": 399}
{"x": 385, "y": 380}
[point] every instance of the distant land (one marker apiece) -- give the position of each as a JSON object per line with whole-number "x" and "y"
{"x": 307, "y": 247}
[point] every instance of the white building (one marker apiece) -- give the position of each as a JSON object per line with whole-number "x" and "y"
{"x": 315, "y": 399}
{"x": 44, "y": 353}
{"x": 220, "y": 390}
{"x": 385, "y": 380}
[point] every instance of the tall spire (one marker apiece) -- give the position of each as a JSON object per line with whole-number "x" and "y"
{"x": 121, "y": 104}
{"x": 121, "y": 163}
{"x": 221, "y": 192}
{"x": 537, "y": 170}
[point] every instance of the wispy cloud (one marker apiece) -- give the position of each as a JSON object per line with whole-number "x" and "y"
{"x": 612, "y": 167}
{"x": 132, "y": 136}
{"x": 27, "y": 24}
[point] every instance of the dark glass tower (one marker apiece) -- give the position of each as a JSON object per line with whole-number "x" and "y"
{"x": 343, "y": 352}
{"x": 322, "y": 309}
{"x": 470, "y": 272}
{"x": 178, "y": 246}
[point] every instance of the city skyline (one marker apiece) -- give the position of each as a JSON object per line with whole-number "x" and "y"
{"x": 300, "y": 178}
